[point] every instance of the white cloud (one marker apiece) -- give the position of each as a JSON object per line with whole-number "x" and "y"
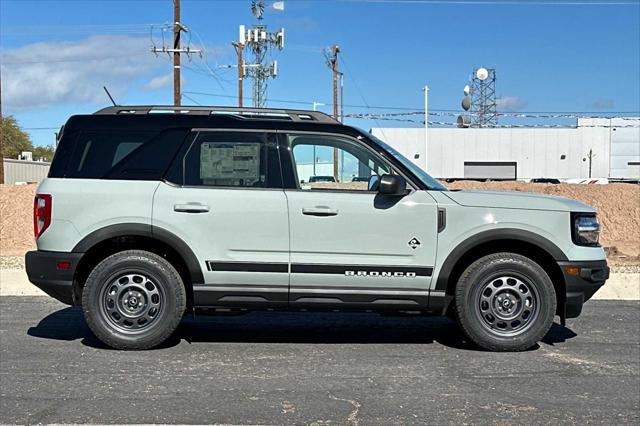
{"x": 163, "y": 81}
{"x": 603, "y": 104}
{"x": 41, "y": 74}
{"x": 511, "y": 103}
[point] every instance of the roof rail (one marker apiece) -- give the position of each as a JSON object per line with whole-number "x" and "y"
{"x": 245, "y": 113}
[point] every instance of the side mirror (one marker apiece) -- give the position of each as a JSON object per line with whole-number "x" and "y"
{"x": 393, "y": 185}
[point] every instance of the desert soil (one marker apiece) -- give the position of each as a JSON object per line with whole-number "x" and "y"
{"x": 618, "y": 207}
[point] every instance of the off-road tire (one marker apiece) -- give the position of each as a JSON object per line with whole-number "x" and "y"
{"x": 142, "y": 267}
{"x": 483, "y": 281}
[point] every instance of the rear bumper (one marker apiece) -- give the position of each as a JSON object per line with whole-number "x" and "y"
{"x": 43, "y": 270}
{"x": 582, "y": 280}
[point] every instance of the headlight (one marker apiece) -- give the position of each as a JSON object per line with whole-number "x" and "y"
{"x": 586, "y": 230}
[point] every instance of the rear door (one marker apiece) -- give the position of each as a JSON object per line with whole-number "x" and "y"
{"x": 351, "y": 246}
{"x": 223, "y": 197}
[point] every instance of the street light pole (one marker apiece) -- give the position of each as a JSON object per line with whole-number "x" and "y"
{"x": 426, "y": 125}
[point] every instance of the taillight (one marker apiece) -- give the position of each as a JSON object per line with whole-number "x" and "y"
{"x": 41, "y": 214}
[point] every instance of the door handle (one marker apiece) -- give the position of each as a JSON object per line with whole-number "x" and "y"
{"x": 191, "y": 208}
{"x": 319, "y": 211}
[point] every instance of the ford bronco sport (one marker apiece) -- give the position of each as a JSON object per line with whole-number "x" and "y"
{"x": 151, "y": 212}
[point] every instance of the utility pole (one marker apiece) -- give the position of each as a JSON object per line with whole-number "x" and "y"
{"x": 176, "y": 51}
{"x": 331, "y": 55}
{"x": 333, "y": 64}
{"x": 342, "y": 97}
{"x": 239, "y": 47}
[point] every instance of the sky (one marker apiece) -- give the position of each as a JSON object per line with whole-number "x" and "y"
{"x": 562, "y": 56}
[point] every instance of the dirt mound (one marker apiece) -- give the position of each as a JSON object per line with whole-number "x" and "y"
{"x": 617, "y": 204}
{"x": 16, "y": 219}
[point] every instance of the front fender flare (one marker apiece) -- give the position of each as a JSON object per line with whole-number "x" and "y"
{"x": 512, "y": 234}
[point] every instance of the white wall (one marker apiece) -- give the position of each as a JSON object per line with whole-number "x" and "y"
{"x": 537, "y": 151}
{"x": 24, "y": 171}
{"x": 625, "y": 145}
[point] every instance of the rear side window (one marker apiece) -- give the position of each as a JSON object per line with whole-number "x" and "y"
{"x": 232, "y": 159}
{"x": 123, "y": 154}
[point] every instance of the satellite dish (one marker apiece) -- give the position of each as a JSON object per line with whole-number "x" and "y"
{"x": 466, "y": 103}
{"x": 482, "y": 73}
{"x": 467, "y": 90}
{"x": 463, "y": 121}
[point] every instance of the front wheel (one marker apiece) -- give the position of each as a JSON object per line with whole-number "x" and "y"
{"x": 133, "y": 299}
{"x": 505, "y": 302}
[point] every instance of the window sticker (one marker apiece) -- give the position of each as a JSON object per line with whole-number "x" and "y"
{"x": 237, "y": 163}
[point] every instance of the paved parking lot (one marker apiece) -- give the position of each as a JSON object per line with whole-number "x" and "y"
{"x": 284, "y": 368}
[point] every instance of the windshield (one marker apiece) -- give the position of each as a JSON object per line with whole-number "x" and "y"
{"x": 424, "y": 177}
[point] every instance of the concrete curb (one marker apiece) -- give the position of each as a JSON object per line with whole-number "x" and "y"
{"x": 620, "y": 286}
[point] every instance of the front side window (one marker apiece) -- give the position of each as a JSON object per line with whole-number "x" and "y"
{"x": 424, "y": 177}
{"x": 232, "y": 159}
{"x": 325, "y": 162}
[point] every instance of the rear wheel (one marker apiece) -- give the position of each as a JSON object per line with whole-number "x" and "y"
{"x": 505, "y": 302}
{"x": 133, "y": 300}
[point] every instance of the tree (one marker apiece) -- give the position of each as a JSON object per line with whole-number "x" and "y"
{"x": 43, "y": 152}
{"x": 14, "y": 139}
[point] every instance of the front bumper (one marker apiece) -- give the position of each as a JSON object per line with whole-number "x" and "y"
{"x": 49, "y": 272}
{"x": 582, "y": 280}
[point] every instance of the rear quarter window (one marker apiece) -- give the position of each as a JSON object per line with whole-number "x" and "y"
{"x": 134, "y": 155}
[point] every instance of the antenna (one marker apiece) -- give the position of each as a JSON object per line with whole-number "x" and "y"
{"x": 480, "y": 100}
{"x": 109, "y": 95}
{"x": 258, "y": 41}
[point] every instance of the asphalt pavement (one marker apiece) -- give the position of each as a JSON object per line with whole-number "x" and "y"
{"x": 317, "y": 368}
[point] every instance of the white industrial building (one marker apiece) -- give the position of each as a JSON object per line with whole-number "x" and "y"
{"x": 610, "y": 147}
{"x": 24, "y": 171}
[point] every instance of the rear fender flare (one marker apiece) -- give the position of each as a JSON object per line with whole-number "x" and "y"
{"x": 145, "y": 230}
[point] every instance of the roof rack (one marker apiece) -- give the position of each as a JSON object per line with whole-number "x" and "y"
{"x": 244, "y": 113}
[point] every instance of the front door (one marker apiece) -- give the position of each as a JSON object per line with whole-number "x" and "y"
{"x": 351, "y": 246}
{"x": 225, "y": 200}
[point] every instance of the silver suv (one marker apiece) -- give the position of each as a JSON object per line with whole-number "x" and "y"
{"x": 150, "y": 212}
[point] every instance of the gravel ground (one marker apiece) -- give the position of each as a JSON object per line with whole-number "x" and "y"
{"x": 11, "y": 262}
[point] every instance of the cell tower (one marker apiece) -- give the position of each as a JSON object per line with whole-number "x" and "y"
{"x": 258, "y": 41}
{"x": 483, "y": 98}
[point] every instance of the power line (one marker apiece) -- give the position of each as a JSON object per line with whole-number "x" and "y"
{"x": 432, "y": 111}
